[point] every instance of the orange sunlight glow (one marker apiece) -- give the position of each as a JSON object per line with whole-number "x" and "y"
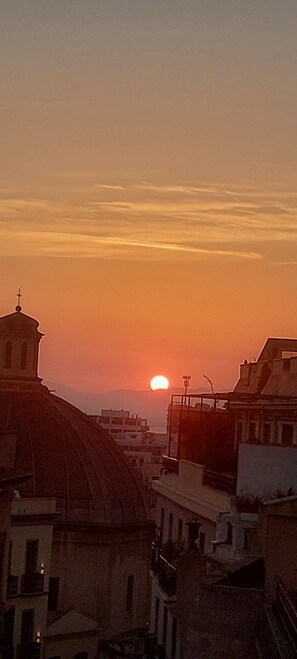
{"x": 159, "y": 382}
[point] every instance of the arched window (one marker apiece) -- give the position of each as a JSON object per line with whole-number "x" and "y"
{"x": 8, "y": 354}
{"x": 24, "y": 352}
{"x": 34, "y": 358}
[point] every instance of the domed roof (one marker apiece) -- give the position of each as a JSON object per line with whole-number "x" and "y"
{"x": 70, "y": 456}
{"x": 72, "y": 459}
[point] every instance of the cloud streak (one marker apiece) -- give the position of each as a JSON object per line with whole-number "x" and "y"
{"x": 114, "y": 220}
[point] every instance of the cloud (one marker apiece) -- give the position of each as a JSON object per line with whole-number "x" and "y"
{"x": 170, "y": 221}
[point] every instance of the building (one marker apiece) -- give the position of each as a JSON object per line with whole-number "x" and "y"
{"x": 143, "y": 448}
{"x": 119, "y": 423}
{"x": 78, "y": 575}
{"x": 224, "y": 512}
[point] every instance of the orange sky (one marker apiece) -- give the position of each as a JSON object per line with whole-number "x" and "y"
{"x": 148, "y": 186}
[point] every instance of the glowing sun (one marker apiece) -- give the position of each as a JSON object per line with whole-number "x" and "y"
{"x": 159, "y": 382}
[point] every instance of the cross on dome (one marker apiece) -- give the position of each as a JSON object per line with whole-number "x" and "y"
{"x": 19, "y": 295}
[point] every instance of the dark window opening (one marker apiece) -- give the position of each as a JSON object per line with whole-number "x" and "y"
{"x": 31, "y": 556}
{"x": 129, "y": 593}
{"x": 229, "y": 533}
{"x": 24, "y": 353}
{"x": 180, "y": 530}
{"x": 8, "y": 354}
{"x": 27, "y": 627}
{"x": 202, "y": 542}
{"x": 53, "y": 594}
{"x": 162, "y": 520}
{"x": 173, "y": 638}
{"x": 165, "y": 622}
{"x": 8, "y": 627}
{"x": 239, "y": 432}
{"x": 252, "y": 431}
{"x": 287, "y": 433}
{"x": 157, "y": 609}
{"x": 266, "y": 433}
{"x": 170, "y": 526}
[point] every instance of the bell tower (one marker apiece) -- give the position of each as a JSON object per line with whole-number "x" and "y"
{"x": 19, "y": 348}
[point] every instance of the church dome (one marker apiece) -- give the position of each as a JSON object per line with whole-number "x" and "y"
{"x": 70, "y": 456}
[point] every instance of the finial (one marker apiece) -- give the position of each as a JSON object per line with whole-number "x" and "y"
{"x": 19, "y": 295}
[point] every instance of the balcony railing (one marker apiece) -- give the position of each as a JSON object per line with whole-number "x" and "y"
{"x": 220, "y": 481}
{"x": 167, "y": 577}
{"x": 28, "y": 651}
{"x": 32, "y": 583}
{"x": 12, "y": 585}
{"x": 286, "y": 611}
{"x": 170, "y": 464}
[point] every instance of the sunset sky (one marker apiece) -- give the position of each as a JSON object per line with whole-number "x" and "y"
{"x": 148, "y": 199}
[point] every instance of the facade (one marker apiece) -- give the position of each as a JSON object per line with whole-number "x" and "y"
{"x": 77, "y": 569}
{"x": 223, "y": 493}
{"x": 143, "y": 448}
{"x": 118, "y": 423}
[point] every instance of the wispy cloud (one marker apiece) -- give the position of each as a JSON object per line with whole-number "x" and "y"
{"x": 157, "y": 221}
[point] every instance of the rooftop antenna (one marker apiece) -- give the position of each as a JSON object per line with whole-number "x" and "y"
{"x": 19, "y": 295}
{"x": 186, "y": 379}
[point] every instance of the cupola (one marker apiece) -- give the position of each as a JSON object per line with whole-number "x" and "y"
{"x": 19, "y": 347}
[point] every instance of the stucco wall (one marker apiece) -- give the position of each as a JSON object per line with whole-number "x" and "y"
{"x": 265, "y": 470}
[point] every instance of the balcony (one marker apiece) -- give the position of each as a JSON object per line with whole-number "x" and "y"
{"x": 32, "y": 583}
{"x": 220, "y": 481}
{"x": 167, "y": 577}
{"x": 12, "y": 585}
{"x": 28, "y": 651}
{"x": 170, "y": 464}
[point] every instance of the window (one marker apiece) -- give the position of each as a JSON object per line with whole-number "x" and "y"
{"x": 53, "y": 594}
{"x": 31, "y": 556}
{"x": 252, "y": 431}
{"x": 239, "y": 431}
{"x": 180, "y": 530}
{"x": 165, "y": 621}
{"x": 34, "y": 358}
{"x": 173, "y": 638}
{"x": 24, "y": 352}
{"x": 266, "y": 433}
{"x": 129, "y": 593}
{"x": 229, "y": 533}
{"x": 8, "y": 354}
{"x": 8, "y": 627}
{"x": 170, "y": 526}
{"x": 162, "y": 520}
{"x": 27, "y": 626}
{"x": 202, "y": 542}
{"x": 9, "y": 557}
{"x": 157, "y": 609}
{"x": 287, "y": 433}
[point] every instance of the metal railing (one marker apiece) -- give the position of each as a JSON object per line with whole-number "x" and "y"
{"x": 12, "y": 585}
{"x": 32, "y": 583}
{"x": 286, "y": 611}
{"x": 167, "y": 577}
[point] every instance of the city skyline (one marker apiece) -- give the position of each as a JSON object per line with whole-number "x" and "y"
{"x": 148, "y": 198}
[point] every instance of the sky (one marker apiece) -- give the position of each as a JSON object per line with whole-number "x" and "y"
{"x": 148, "y": 199}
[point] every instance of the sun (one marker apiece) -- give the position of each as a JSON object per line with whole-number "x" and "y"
{"x": 159, "y": 382}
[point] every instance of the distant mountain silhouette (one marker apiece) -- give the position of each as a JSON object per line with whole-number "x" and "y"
{"x": 152, "y": 405}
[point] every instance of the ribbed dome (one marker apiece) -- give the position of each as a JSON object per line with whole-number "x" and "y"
{"x": 71, "y": 458}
